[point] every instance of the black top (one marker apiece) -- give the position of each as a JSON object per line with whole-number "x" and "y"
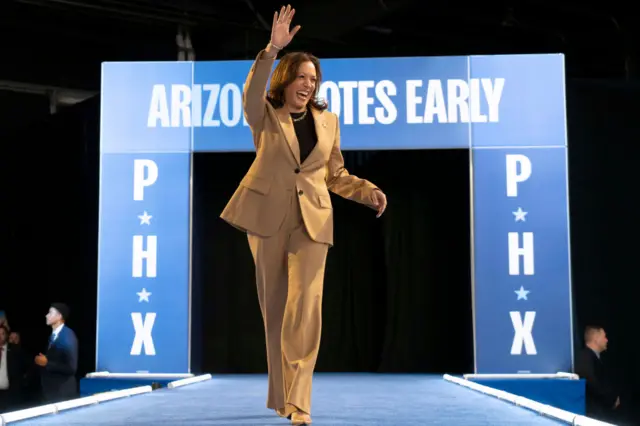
{"x": 305, "y": 132}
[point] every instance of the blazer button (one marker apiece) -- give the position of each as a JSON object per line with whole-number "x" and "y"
{"x": 300, "y": 192}
{"x": 297, "y": 171}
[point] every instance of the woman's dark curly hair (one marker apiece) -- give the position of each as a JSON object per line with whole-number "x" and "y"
{"x": 286, "y": 72}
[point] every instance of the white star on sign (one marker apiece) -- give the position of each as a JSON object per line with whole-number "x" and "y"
{"x": 520, "y": 214}
{"x": 145, "y": 218}
{"x": 144, "y": 295}
{"x": 522, "y": 293}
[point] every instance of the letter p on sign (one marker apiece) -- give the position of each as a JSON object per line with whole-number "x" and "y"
{"x": 518, "y": 170}
{"x": 145, "y": 173}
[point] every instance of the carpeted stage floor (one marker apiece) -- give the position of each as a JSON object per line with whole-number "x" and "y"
{"x": 338, "y": 399}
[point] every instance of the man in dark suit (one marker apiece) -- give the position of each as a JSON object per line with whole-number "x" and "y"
{"x": 12, "y": 370}
{"x": 59, "y": 365}
{"x": 601, "y": 398}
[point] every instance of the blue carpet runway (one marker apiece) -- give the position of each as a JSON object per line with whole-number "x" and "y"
{"x": 338, "y": 399}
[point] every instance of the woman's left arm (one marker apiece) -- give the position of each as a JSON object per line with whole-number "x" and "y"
{"x": 351, "y": 187}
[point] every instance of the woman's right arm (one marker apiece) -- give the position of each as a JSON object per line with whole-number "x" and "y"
{"x": 255, "y": 87}
{"x": 254, "y": 99}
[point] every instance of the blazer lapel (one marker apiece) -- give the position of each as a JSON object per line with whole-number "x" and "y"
{"x": 286, "y": 123}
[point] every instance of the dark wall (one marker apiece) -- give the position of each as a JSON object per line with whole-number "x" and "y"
{"x": 603, "y": 156}
{"x": 397, "y": 293}
{"x": 49, "y": 226}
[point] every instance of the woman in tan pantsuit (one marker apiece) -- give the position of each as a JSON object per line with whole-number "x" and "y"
{"x": 283, "y": 205}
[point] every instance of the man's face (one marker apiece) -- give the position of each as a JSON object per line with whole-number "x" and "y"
{"x": 53, "y": 316}
{"x": 3, "y": 336}
{"x": 601, "y": 341}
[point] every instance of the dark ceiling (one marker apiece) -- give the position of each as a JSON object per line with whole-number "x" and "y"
{"x": 62, "y": 42}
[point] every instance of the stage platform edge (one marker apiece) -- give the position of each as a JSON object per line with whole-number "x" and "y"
{"x": 104, "y": 387}
{"x": 561, "y": 395}
{"x": 100, "y": 382}
{"x": 568, "y": 395}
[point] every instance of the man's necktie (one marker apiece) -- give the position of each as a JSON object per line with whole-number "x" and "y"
{"x": 51, "y": 339}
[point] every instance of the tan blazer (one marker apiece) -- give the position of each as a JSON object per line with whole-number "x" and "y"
{"x": 260, "y": 203}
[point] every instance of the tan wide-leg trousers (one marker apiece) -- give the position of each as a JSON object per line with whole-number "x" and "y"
{"x": 289, "y": 275}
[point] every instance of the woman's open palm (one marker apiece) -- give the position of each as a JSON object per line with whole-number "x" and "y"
{"x": 280, "y": 33}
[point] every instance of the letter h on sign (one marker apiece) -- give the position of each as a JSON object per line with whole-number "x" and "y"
{"x": 145, "y": 174}
{"x": 518, "y": 170}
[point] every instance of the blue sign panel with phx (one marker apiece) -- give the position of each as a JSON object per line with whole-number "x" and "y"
{"x": 163, "y": 112}
{"x": 143, "y": 292}
{"x": 521, "y": 244}
{"x": 143, "y": 268}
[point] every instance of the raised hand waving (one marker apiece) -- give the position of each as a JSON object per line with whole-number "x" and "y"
{"x": 281, "y": 35}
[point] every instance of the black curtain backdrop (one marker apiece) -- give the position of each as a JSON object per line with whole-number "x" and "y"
{"x": 49, "y": 241}
{"x": 49, "y": 220}
{"x": 603, "y": 167}
{"x": 397, "y": 289}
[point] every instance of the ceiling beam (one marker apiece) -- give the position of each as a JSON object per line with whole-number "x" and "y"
{"x": 58, "y": 95}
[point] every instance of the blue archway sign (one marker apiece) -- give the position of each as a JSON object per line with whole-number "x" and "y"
{"x": 508, "y": 111}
